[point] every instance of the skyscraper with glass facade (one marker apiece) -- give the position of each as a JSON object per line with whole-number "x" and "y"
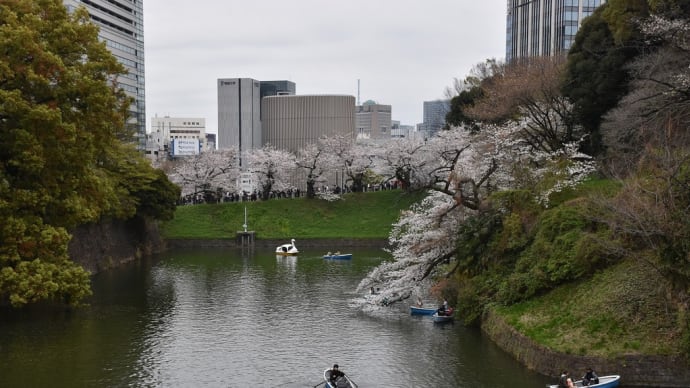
{"x": 544, "y": 27}
{"x": 121, "y": 24}
{"x": 434, "y": 117}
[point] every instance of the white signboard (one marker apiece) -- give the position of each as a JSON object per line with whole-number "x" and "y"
{"x": 185, "y": 147}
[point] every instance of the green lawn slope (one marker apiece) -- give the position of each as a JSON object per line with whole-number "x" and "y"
{"x": 357, "y": 215}
{"x": 621, "y": 310}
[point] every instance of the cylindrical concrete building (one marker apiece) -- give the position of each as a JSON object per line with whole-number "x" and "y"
{"x": 291, "y": 122}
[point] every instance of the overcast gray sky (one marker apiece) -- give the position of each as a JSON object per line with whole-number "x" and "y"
{"x": 404, "y": 52}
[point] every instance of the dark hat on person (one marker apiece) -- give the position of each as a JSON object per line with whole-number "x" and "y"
{"x": 335, "y": 366}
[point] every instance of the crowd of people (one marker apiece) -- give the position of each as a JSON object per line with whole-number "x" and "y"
{"x": 244, "y": 196}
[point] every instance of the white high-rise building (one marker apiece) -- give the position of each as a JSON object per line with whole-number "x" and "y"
{"x": 544, "y": 27}
{"x": 121, "y": 24}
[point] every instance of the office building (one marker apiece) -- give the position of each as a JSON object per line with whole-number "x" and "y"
{"x": 544, "y": 27}
{"x": 168, "y": 132}
{"x": 291, "y": 122}
{"x": 434, "y": 117}
{"x": 373, "y": 121}
{"x": 239, "y": 110}
{"x": 278, "y": 88}
{"x": 239, "y": 114}
{"x": 121, "y": 24}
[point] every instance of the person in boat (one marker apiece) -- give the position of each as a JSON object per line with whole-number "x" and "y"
{"x": 565, "y": 381}
{"x": 590, "y": 377}
{"x": 335, "y": 374}
{"x": 442, "y": 309}
{"x": 419, "y": 302}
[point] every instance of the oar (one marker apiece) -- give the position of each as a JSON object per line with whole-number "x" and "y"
{"x": 348, "y": 377}
{"x": 321, "y": 383}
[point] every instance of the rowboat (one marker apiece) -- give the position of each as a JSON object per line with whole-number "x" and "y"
{"x": 447, "y": 316}
{"x": 338, "y": 256}
{"x": 414, "y": 310}
{"x": 604, "y": 382}
{"x": 341, "y": 382}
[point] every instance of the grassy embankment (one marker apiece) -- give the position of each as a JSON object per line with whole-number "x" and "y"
{"x": 620, "y": 310}
{"x": 357, "y": 215}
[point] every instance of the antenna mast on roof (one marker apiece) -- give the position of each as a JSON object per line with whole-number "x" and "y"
{"x": 358, "y": 92}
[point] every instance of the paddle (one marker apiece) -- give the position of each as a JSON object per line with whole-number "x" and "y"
{"x": 353, "y": 383}
{"x": 321, "y": 383}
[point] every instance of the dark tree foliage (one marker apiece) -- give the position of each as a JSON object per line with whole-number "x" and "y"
{"x": 158, "y": 198}
{"x": 596, "y": 77}
{"x": 457, "y": 116}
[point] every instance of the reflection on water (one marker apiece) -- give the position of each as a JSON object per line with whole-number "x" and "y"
{"x": 220, "y": 318}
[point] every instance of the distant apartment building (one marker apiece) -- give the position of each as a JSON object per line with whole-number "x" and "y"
{"x": 292, "y": 122}
{"x": 434, "y": 117}
{"x": 373, "y": 121}
{"x": 544, "y": 27}
{"x": 176, "y": 136}
{"x": 400, "y": 130}
{"x": 121, "y": 27}
{"x": 211, "y": 141}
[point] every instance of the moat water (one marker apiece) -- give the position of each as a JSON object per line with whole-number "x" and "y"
{"x": 228, "y": 318}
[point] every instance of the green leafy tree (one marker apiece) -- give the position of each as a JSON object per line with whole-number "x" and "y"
{"x": 62, "y": 159}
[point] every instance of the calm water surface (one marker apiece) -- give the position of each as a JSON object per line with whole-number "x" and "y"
{"x": 227, "y": 318}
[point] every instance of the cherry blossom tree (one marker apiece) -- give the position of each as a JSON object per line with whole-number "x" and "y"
{"x": 659, "y": 94}
{"x": 355, "y": 159}
{"x": 531, "y": 89}
{"x": 461, "y": 171}
{"x": 404, "y": 160}
{"x": 271, "y": 168}
{"x": 423, "y": 235}
{"x": 314, "y": 162}
{"x": 207, "y": 174}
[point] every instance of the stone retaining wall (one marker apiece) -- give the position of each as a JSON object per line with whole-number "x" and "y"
{"x": 111, "y": 243}
{"x": 646, "y": 371}
{"x": 327, "y": 243}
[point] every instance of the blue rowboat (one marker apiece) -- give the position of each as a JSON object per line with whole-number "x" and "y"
{"x": 611, "y": 381}
{"x": 414, "y": 310}
{"x": 338, "y": 256}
